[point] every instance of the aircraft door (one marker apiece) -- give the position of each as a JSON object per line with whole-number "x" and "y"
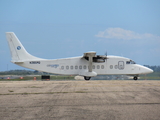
{"x": 121, "y": 65}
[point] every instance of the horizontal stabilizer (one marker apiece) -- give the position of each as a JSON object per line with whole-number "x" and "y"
{"x": 17, "y": 62}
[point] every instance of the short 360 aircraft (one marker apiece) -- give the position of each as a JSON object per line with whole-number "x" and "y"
{"x": 88, "y": 65}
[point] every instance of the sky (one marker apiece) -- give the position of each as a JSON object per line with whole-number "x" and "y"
{"x": 54, "y": 29}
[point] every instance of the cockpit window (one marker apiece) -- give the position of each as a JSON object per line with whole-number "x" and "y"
{"x": 130, "y": 62}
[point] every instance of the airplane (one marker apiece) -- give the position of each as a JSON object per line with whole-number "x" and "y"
{"x": 89, "y": 65}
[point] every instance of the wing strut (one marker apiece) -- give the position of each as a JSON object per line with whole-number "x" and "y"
{"x": 90, "y": 63}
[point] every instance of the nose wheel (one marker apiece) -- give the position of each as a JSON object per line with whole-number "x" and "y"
{"x": 135, "y": 77}
{"x": 87, "y": 78}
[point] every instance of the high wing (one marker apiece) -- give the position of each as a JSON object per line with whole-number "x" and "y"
{"x": 92, "y": 57}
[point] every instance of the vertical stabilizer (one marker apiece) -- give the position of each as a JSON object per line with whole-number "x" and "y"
{"x": 18, "y": 52}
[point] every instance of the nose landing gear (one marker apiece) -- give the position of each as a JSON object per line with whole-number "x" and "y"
{"x": 135, "y": 77}
{"x": 87, "y": 78}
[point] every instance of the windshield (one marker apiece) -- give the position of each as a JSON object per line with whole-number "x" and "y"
{"x": 130, "y": 62}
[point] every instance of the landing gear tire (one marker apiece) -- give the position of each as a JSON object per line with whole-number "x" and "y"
{"x": 87, "y": 78}
{"x": 135, "y": 78}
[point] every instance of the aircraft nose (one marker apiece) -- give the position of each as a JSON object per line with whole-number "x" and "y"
{"x": 151, "y": 71}
{"x": 147, "y": 70}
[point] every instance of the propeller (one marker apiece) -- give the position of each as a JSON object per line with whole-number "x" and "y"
{"x": 106, "y": 53}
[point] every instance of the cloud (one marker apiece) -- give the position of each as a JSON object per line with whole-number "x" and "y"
{"x": 119, "y": 33}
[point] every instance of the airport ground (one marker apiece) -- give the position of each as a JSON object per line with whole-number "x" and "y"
{"x": 77, "y": 100}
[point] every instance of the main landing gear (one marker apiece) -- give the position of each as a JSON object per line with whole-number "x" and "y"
{"x": 135, "y": 77}
{"x": 87, "y": 78}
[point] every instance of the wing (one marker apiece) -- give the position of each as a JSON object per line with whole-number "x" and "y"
{"x": 89, "y": 56}
{"x": 92, "y": 57}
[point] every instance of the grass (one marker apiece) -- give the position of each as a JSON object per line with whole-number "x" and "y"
{"x": 80, "y": 92}
{"x": 152, "y": 76}
{"x": 10, "y": 91}
{"x": 25, "y": 78}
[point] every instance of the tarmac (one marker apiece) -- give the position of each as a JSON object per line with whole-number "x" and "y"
{"x": 78, "y": 100}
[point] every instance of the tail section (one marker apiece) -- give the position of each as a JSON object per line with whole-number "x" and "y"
{"x": 18, "y": 52}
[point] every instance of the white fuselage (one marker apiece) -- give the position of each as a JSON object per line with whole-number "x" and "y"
{"x": 79, "y": 65}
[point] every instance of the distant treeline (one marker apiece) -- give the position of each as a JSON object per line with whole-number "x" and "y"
{"x": 154, "y": 68}
{"x": 30, "y": 72}
{"x": 23, "y": 72}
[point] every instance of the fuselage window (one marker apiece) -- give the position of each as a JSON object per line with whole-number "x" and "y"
{"x": 76, "y": 67}
{"x": 130, "y": 62}
{"x": 102, "y": 66}
{"x": 127, "y": 62}
{"x": 84, "y": 67}
{"x": 71, "y": 67}
{"x": 115, "y": 66}
{"x": 98, "y": 66}
{"x": 111, "y": 66}
{"x": 67, "y": 67}
{"x": 93, "y": 67}
{"x": 80, "y": 67}
{"x": 62, "y": 67}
